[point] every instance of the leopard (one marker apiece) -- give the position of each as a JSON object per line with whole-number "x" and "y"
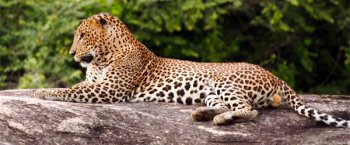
{"x": 119, "y": 68}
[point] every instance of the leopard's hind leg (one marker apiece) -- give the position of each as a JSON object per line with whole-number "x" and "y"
{"x": 215, "y": 105}
{"x": 224, "y": 112}
{"x": 235, "y": 109}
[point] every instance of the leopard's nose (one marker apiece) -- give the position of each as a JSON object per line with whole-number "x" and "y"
{"x": 72, "y": 53}
{"x": 87, "y": 58}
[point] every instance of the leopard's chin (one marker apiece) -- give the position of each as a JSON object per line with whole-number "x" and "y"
{"x": 84, "y": 64}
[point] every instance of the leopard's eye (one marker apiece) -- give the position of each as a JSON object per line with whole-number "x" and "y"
{"x": 81, "y": 36}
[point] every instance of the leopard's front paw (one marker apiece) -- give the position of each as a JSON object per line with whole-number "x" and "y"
{"x": 42, "y": 93}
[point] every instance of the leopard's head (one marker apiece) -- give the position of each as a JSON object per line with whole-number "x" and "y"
{"x": 99, "y": 39}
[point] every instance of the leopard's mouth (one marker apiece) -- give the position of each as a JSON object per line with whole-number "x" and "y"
{"x": 86, "y": 60}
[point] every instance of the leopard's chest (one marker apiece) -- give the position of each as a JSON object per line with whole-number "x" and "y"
{"x": 95, "y": 74}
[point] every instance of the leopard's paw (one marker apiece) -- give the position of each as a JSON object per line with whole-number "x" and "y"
{"x": 235, "y": 116}
{"x": 222, "y": 119}
{"x": 206, "y": 113}
{"x": 42, "y": 93}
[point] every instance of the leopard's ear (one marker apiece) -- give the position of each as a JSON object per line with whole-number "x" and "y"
{"x": 102, "y": 22}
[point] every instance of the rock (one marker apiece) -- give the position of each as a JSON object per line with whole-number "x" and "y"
{"x": 27, "y": 120}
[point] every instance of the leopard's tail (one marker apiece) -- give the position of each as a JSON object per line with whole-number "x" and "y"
{"x": 297, "y": 104}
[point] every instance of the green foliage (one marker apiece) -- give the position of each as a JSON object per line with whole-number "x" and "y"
{"x": 304, "y": 42}
{"x": 34, "y": 42}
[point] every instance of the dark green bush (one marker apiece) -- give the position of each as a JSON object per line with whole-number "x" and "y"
{"x": 305, "y": 42}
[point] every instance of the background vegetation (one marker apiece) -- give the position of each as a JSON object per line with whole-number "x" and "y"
{"x": 305, "y": 42}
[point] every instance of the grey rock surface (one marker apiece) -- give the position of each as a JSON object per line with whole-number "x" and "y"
{"x": 27, "y": 120}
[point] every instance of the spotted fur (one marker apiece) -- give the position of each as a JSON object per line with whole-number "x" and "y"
{"x": 121, "y": 69}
